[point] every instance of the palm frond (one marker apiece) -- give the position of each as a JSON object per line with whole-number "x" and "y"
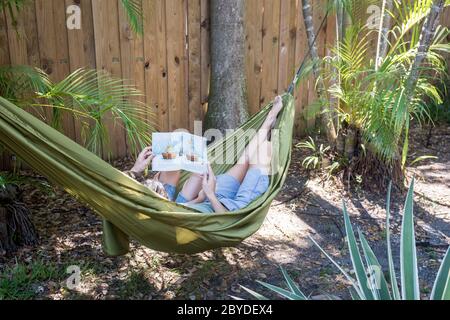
{"x": 12, "y": 8}
{"x": 19, "y": 84}
{"x": 134, "y": 11}
{"x": 98, "y": 97}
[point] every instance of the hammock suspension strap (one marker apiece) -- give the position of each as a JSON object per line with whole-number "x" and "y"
{"x": 302, "y": 65}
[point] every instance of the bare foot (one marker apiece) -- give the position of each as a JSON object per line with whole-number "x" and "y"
{"x": 276, "y": 108}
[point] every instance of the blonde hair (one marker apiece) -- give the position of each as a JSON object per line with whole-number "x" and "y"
{"x": 157, "y": 187}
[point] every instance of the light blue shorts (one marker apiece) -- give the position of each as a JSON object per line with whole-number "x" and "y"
{"x": 233, "y": 195}
{"x": 171, "y": 191}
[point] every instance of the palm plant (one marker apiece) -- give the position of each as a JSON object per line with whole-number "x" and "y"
{"x": 370, "y": 282}
{"x": 376, "y": 97}
{"x": 12, "y": 7}
{"x": 135, "y": 14}
{"x": 318, "y": 153}
{"x": 90, "y": 96}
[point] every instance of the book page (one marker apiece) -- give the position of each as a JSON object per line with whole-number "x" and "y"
{"x": 179, "y": 151}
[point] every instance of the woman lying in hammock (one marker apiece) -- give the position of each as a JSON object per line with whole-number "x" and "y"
{"x": 231, "y": 191}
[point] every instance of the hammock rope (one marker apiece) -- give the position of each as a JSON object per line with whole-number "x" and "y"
{"x": 291, "y": 88}
{"x": 129, "y": 208}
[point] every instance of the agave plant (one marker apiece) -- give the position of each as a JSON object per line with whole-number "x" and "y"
{"x": 370, "y": 282}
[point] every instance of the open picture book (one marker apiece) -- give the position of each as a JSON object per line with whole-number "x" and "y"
{"x": 179, "y": 151}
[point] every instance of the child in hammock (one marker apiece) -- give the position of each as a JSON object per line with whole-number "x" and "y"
{"x": 231, "y": 191}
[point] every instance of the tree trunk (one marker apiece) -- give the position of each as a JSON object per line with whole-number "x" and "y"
{"x": 327, "y": 119}
{"x": 425, "y": 40}
{"x": 385, "y": 26}
{"x": 227, "y": 107}
{"x": 16, "y": 227}
{"x": 350, "y": 143}
{"x": 6, "y": 243}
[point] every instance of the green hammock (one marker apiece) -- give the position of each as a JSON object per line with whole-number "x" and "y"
{"x": 130, "y": 209}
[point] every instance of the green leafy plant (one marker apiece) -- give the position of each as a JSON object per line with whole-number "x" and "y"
{"x": 92, "y": 97}
{"x": 370, "y": 282}
{"x": 22, "y": 281}
{"x": 422, "y": 158}
{"x": 319, "y": 153}
{"x": 133, "y": 8}
{"x": 13, "y": 179}
{"x": 12, "y": 7}
{"x": 372, "y": 99}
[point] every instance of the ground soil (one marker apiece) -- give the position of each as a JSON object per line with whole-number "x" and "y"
{"x": 309, "y": 206}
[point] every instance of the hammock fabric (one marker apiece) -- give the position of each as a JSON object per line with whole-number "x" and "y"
{"x": 130, "y": 209}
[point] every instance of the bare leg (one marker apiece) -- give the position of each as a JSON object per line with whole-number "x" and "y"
{"x": 262, "y": 159}
{"x": 170, "y": 177}
{"x": 192, "y": 187}
{"x": 258, "y": 153}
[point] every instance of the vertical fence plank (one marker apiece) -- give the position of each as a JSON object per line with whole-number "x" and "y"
{"x": 446, "y": 23}
{"x": 17, "y": 41}
{"x": 254, "y": 27}
{"x": 23, "y": 44}
{"x": 312, "y": 112}
{"x": 271, "y": 33}
{"x": 62, "y": 58}
{"x": 194, "y": 61}
{"x": 176, "y": 61}
{"x": 301, "y": 94}
{"x": 81, "y": 44}
{"x": 205, "y": 53}
{"x": 156, "y": 71}
{"x": 32, "y": 41}
{"x": 4, "y": 47}
{"x": 287, "y": 44}
{"x": 47, "y": 49}
{"x": 49, "y": 62}
{"x": 132, "y": 58}
{"x": 4, "y": 60}
{"x": 106, "y": 30}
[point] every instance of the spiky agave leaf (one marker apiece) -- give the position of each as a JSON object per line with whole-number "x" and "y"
{"x": 392, "y": 275}
{"x": 355, "y": 286}
{"x": 291, "y": 284}
{"x": 254, "y": 294}
{"x": 441, "y": 288}
{"x": 408, "y": 255}
{"x": 294, "y": 292}
{"x": 355, "y": 255}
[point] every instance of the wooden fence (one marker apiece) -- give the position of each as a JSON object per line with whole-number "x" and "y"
{"x": 170, "y": 62}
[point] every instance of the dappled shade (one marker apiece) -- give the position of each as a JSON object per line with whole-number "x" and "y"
{"x": 129, "y": 208}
